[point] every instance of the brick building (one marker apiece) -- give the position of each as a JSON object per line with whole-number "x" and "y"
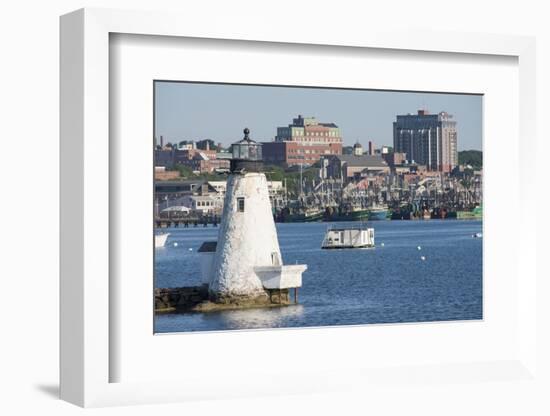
{"x": 161, "y": 174}
{"x": 303, "y": 142}
{"x": 202, "y": 161}
{"x": 394, "y": 159}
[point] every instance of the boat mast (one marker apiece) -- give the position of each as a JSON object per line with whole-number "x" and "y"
{"x": 301, "y": 183}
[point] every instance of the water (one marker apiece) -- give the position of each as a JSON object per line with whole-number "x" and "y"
{"x": 387, "y": 284}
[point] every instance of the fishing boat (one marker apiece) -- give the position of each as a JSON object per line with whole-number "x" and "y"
{"x": 309, "y": 215}
{"x": 160, "y": 239}
{"x": 378, "y": 213}
{"x": 347, "y": 214}
{"x": 474, "y": 214}
{"x": 348, "y": 237}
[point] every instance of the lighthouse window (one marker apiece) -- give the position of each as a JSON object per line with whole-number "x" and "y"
{"x": 240, "y": 204}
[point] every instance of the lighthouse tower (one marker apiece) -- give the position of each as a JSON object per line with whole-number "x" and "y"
{"x": 247, "y": 264}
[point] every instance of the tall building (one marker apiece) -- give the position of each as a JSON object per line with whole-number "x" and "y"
{"x": 303, "y": 142}
{"x": 427, "y": 139}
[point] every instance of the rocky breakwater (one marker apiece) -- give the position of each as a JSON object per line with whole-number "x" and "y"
{"x": 197, "y": 299}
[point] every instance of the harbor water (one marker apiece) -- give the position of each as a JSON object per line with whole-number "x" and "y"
{"x": 419, "y": 271}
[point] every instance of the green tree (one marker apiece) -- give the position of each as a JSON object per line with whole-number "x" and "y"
{"x": 274, "y": 173}
{"x": 185, "y": 171}
{"x": 471, "y": 157}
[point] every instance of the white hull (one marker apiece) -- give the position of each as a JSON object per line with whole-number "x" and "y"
{"x": 348, "y": 238}
{"x": 160, "y": 239}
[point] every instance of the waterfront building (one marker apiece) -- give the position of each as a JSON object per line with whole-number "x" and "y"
{"x": 427, "y": 139}
{"x": 247, "y": 264}
{"x": 204, "y": 204}
{"x": 173, "y": 193}
{"x": 198, "y": 186}
{"x": 275, "y": 188}
{"x": 201, "y": 161}
{"x": 219, "y": 186}
{"x": 348, "y": 167}
{"x": 303, "y": 142}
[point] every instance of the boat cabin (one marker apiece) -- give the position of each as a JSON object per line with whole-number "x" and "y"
{"x": 349, "y": 237}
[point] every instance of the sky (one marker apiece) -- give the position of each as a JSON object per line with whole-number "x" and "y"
{"x": 193, "y": 111}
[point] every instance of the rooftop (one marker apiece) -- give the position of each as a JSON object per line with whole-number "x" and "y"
{"x": 365, "y": 160}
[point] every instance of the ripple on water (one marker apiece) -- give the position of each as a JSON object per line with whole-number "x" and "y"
{"x": 387, "y": 284}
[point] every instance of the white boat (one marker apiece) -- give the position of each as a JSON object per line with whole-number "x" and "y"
{"x": 348, "y": 237}
{"x": 160, "y": 239}
{"x": 477, "y": 235}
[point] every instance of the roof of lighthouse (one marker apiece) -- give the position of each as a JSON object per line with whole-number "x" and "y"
{"x": 246, "y": 139}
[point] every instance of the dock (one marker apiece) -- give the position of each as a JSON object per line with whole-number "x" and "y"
{"x": 186, "y": 222}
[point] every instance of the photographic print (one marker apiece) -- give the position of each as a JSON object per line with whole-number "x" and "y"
{"x": 295, "y": 207}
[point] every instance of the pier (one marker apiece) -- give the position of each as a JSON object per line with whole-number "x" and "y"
{"x": 186, "y": 222}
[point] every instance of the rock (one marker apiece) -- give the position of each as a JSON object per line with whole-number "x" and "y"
{"x": 196, "y": 299}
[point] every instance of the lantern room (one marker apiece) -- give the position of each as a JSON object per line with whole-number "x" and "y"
{"x": 247, "y": 155}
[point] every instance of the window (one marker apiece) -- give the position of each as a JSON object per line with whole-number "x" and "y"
{"x": 240, "y": 204}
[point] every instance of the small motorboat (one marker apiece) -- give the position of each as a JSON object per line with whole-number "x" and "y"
{"x": 477, "y": 235}
{"x": 348, "y": 237}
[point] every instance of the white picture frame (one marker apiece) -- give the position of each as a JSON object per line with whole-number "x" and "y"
{"x": 86, "y": 309}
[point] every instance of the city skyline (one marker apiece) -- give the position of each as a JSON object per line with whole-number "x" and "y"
{"x": 195, "y": 111}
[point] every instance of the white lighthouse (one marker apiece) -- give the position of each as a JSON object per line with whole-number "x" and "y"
{"x": 247, "y": 265}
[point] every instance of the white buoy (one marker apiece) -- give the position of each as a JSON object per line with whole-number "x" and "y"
{"x": 422, "y": 258}
{"x": 175, "y": 244}
{"x": 419, "y": 248}
{"x": 381, "y": 244}
{"x": 190, "y": 249}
